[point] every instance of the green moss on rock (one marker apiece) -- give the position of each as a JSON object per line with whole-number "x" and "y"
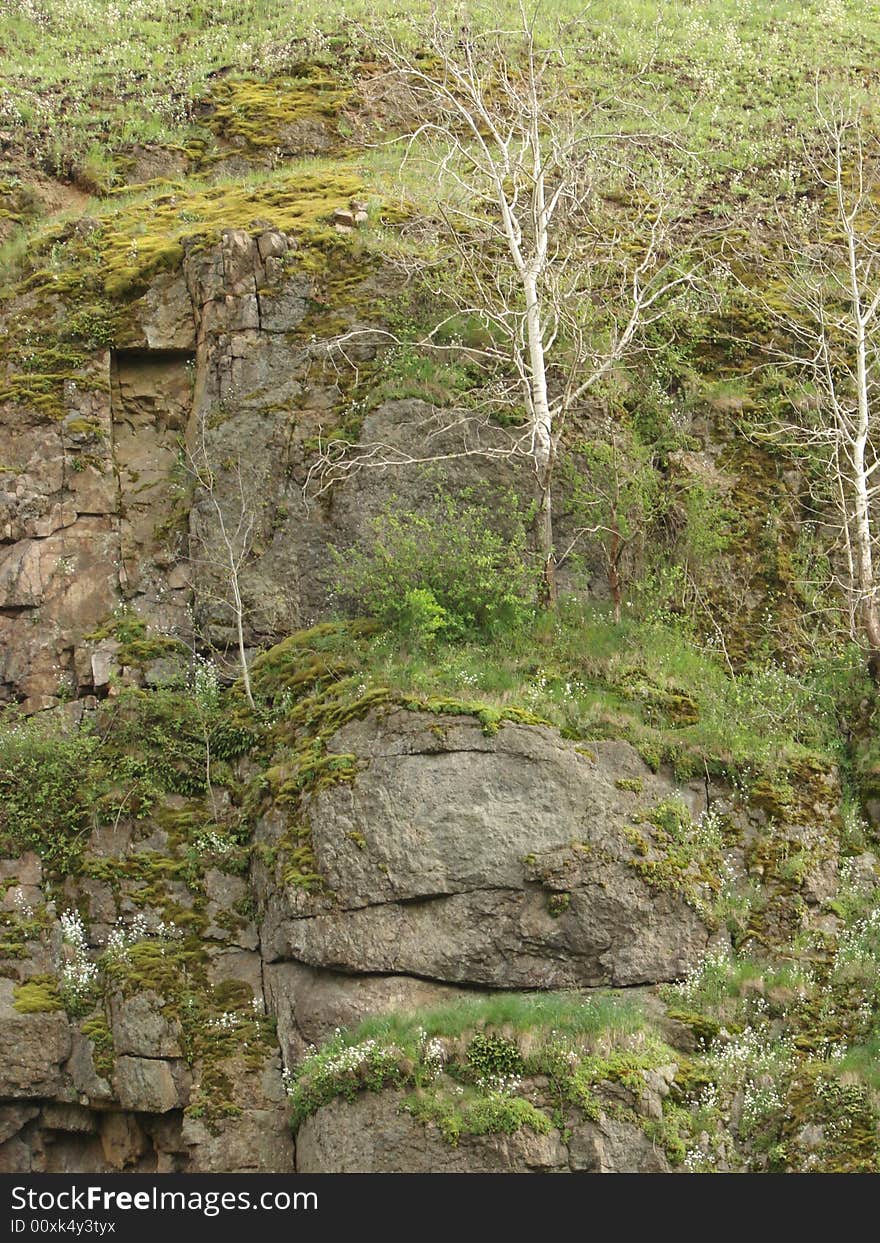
{"x": 38, "y": 995}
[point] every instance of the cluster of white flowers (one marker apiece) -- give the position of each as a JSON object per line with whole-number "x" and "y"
{"x": 73, "y": 931}
{"x": 859, "y": 942}
{"x": 210, "y": 842}
{"x": 499, "y": 1085}
{"x": 541, "y": 686}
{"x": 433, "y": 1053}
{"x": 760, "y": 1102}
{"x": 710, "y": 1098}
{"x": 124, "y": 935}
{"x": 751, "y": 1054}
{"x": 228, "y": 1021}
{"x": 757, "y": 1066}
{"x": 700, "y": 1159}
{"x": 78, "y": 975}
{"x": 348, "y": 1061}
{"x": 835, "y": 1051}
{"x": 206, "y": 682}
{"x": 716, "y": 964}
{"x": 23, "y": 908}
{"x": 707, "y": 830}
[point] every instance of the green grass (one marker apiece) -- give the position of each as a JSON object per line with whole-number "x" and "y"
{"x": 468, "y": 1062}
{"x": 567, "y": 1014}
{"x": 141, "y": 231}
{"x": 647, "y": 681}
{"x": 82, "y": 77}
{"x": 864, "y": 1061}
{"x": 57, "y": 785}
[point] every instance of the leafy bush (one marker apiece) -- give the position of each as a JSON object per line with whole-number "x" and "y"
{"x": 493, "y": 1059}
{"x": 44, "y": 795}
{"x": 443, "y": 572}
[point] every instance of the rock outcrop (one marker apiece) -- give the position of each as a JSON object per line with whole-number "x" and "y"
{"x": 494, "y": 861}
{"x": 373, "y": 1133}
{"x": 214, "y": 371}
{"x": 161, "y": 982}
{"x": 454, "y": 859}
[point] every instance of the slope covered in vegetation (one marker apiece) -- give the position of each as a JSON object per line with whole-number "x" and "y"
{"x": 252, "y": 409}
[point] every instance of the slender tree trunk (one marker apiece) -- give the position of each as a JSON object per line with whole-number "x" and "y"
{"x": 542, "y": 439}
{"x": 852, "y": 602}
{"x": 864, "y": 553}
{"x": 544, "y": 532}
{"x": 242, "y": 651}
{"x": 614, "y": 569}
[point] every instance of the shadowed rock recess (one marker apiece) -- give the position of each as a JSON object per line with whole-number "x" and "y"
{"x": 510, "y": 891}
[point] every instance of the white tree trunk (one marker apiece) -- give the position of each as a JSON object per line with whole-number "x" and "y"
{"x": 862, "y": 507}
{"x": 542, "y": 435}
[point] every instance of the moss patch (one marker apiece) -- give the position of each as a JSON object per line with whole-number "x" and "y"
{"x": 38, "y": 995}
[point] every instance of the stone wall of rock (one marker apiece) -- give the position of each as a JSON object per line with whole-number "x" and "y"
{"x": 120, "y": 1087}
{"x": 101, "y": 504}
{"x": 456, "y": 860}
{"x": 459, "y": 895}
{"x": 373, "y": 1133}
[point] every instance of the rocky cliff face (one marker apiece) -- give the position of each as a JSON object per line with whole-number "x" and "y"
{"x": 498, "y": 862}
{"x": 454, "y": 859}
{"x": 96, "y": 506}
{"x": 162, "y": 980}
{"x": 156, "y": 998}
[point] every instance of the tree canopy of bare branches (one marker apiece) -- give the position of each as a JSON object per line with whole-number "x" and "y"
{"x": 829, "y": 329}
{"x": 554, "y": 231}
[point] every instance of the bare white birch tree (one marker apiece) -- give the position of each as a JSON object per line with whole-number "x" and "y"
{"x": 224, "y": 549}
{"x": 528, "y": 240}
{"x": 829, "y": 336}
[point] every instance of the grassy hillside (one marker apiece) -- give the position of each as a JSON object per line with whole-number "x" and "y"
{"x": 85, "y": 79}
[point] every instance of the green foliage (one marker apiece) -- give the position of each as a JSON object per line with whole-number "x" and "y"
{"x": 492, "y": 1057}
{"x": 57, "y": 783}
{"x": 137, "y": 647}
{"x": 444, "y": 569}
{"x": 613, "y": 489}
{"x": 794, "y": 1042}
{"x": 673, "y": 852}
{"x": 45, "y": 796}
{"x": 407, "y": 372}
{"x": 97, "y": 1029}
{"x": 342, "y": 1069}
{"x": 471, "y": 1078}
{"x": 569, "y": 1014}
{"x": 495, "y": 1114}
{"x": 77, "y": 80}
{"x": 648, "y": 681}
{"x": 421, "y": 618}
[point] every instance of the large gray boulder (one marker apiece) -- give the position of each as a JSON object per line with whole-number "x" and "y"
{"x": 500, "y": 861}
{"x": 371, "y": 1135}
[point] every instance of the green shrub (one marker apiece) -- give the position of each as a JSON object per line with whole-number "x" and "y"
{"x": 422, "y": 618}
{"x": 44, "y": 791}
{"x": 493, "y": 1058}
{"x": 441, "y": 570}
{"x": 495, "y": 1114}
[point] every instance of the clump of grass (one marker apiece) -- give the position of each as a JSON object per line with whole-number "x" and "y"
{"x": 569, "y": 1014}
{"x": 473, "y": 1065}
